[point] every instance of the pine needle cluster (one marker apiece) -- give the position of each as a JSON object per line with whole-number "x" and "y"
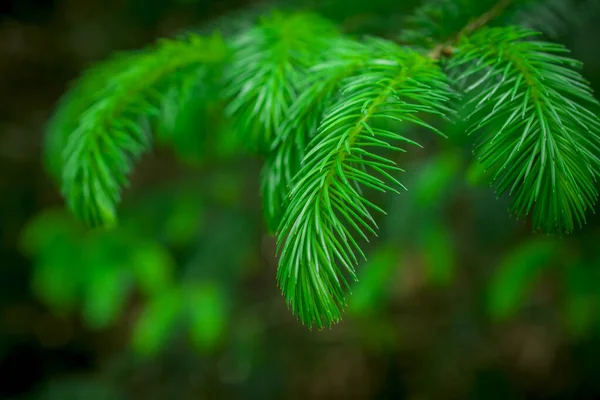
{"x": 323, "y": 108}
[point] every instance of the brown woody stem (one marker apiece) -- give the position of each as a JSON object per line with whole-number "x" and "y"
{"x": 445, "y": 49}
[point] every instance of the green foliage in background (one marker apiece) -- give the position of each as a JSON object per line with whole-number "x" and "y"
{"x": 333, "y": 115}
{"x": 106, "y": 273}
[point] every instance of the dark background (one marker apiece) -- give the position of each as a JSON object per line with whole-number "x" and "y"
{"x": 438, "y": 319}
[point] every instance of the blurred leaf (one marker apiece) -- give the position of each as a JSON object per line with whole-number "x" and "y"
{"x": 49, "y": 229}
{"x": 156, "y": 322}
{"x": 369, "y": 293}
{"x": 56, "y": 245}
{"x": 105, "y": 295}
{"x": 436, "y": 178}
{"x": 580, "y": 301}
{"x": 106, "y": 276}
{"x": 516, "y": 274}
{"x": 183, "y": 222}
{"x": 208, "y": 315}
{"x": 56, "y": 284}
{"x": 438, "y": 251}
{"x": 153, "y": 266}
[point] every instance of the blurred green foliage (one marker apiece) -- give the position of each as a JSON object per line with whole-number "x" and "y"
{"x": 101, "y": 272}
{"x": 515, "y": 276}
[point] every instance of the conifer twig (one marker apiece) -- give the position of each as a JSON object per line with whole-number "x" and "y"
{"x": 445, "y": 49}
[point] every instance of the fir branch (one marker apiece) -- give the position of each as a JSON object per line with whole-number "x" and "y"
{"x": 319, "y": 87}
{"x": 113, "y": 130}
{"x": 82, "y": 94}
{"x": 326, "y": 208}
{"x": 538, "y": 133}
{"x": 312, "y": 102}
{"x": 269, "y": 62}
